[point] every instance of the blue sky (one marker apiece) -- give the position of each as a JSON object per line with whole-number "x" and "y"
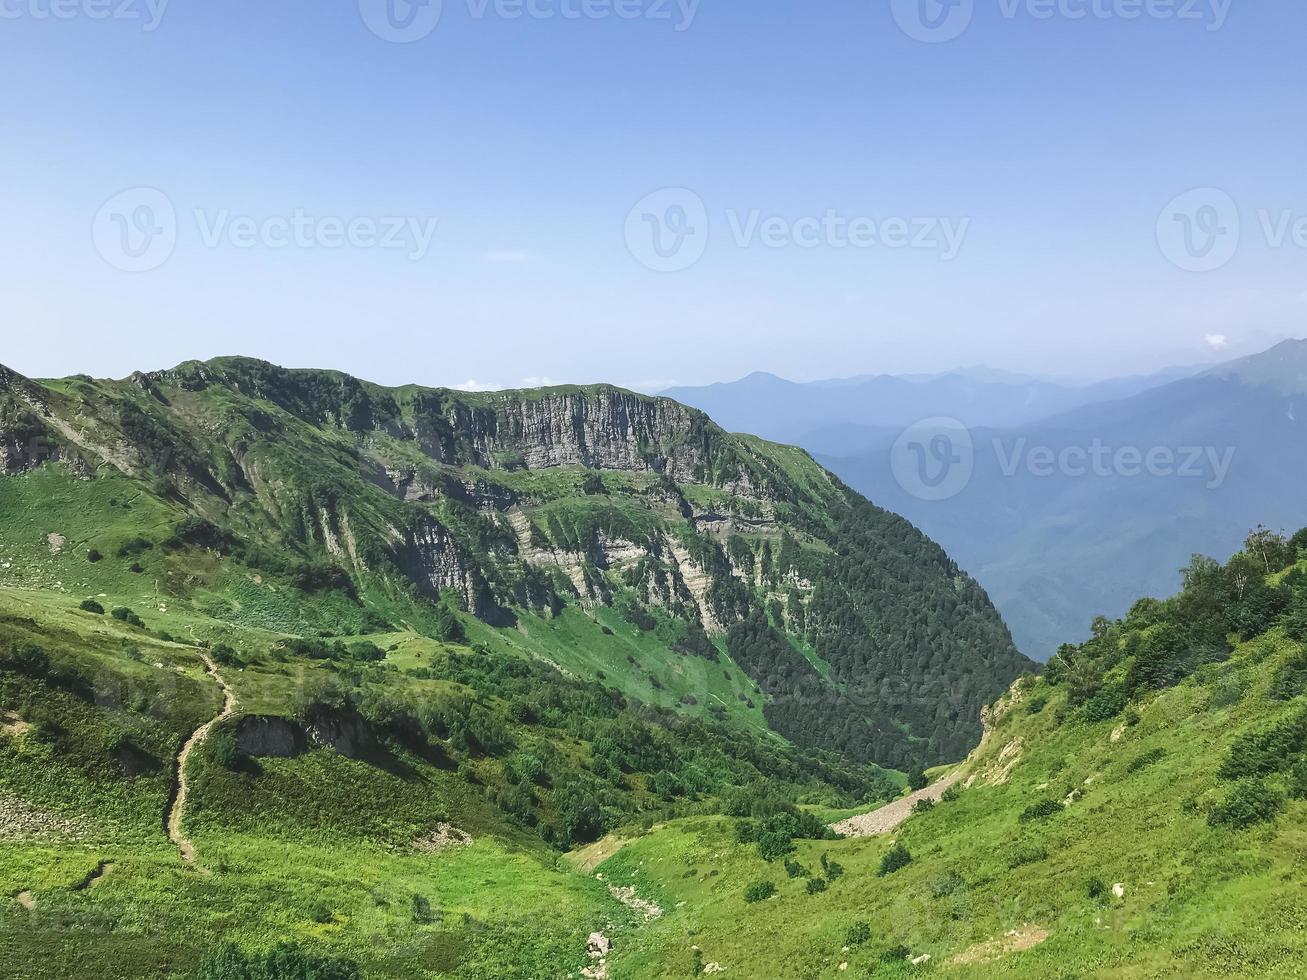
{"x": 503, "y": 156}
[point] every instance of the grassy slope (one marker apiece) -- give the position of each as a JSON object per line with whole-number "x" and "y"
{"x": 1198, "y": 901}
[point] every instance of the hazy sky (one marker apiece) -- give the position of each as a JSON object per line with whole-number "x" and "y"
{"x": 473, "y": 204}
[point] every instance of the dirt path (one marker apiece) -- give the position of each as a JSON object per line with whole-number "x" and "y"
{"x": 175, "y": 813}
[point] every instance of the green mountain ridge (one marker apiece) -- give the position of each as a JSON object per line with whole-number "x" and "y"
{"x": 411, "y": 499}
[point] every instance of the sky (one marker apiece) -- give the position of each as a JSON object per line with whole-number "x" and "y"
{"x": 648, "y": 192}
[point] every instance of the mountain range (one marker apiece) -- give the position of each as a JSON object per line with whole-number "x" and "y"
{"x": 1057, "y": 545}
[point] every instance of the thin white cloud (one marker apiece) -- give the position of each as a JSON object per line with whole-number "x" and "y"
{"x": 473, "y": 385}
{"x": 1217, "y": 341}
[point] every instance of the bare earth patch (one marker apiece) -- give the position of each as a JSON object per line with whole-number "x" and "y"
{"x": 1015, "y": 941}
{"x": 56, "y": 542}
{"x": 26, "y": 900}
{"x": 445, "y": 835}
{"x": 11, "y": 724}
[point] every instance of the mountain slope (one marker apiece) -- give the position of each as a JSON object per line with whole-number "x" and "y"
{"x": 413, "y": 504}
{"x": 1137, "y": 811}
{"x": 1057, "y": 546}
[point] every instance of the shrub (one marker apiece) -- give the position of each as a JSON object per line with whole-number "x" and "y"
{"x": 1298, "y": 781}
{"x": 1024, "y": 854}
{"x": 125, "y": 615}
{"x": 895, "y": 954}
{"x": 91, "y": 606}
{"x": 795, "y": 870}
{"x": 1291, "y": 680}
{"x": 1096, "y": 888}
{"x": 1146, "y": 760}
{"x": 918, "y": 780}
{"x": 224, "y": 750}
{"x": 134, "y": 546}
{"x": 952, "y": 794}
{"x": 895, "y": 859}
{"x": 775, "y": 844}
{"x": 859, "y": 933}
{"x": 923, "y": 806}
{"x": 950, "y": 882}
{"x": 322, "y": 914}
{"x": 759, "y": 891}
{"x": 93, "y": 556}
{"x": 1250, "y": 802}
{"x": 420, "y": 910}
{"x": 1267, "y": 751}
{"x": 817, "y": 885}
{"x": 26, "y": 659}
{"x": 1103, "y": 706}
{"x": 136, "y": 568}
{"x": 283, "y": 962}
{"x": 1040, "y": 811}
{"x": 831, "y": 869}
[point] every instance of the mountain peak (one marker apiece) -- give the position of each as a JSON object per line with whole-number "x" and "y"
{"x": 1283, "y": 367}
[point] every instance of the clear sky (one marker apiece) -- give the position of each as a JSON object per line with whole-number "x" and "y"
{"x": 1032, "y": 160}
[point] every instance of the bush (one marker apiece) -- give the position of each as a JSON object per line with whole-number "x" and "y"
{"x": 759, "y": 891}
{"x": 895, "y": 859}
{"x": 1291, "y": 680}
{"x": 420, "y": 910}
{"x": 952, "y": 794}
{"x": 1250, "y": 802}
{"x": 224, "y": 750}
{"x": 1024, "y": 854}
{"x": 283, "y": 962}
{"x": 1271, "y": 750}
{"x": 93, "y": 556}
{"x": 795, "y": 870}
{"x": 950, "y": 882}
{"x": 1096, "y": 888}
{"x": 816, "y": 885}
{"x": 1298, "y": 781}
{"x": 1145, "y": 760}
{"x": 125, "y": 615}
{"x": 918, "y": 780}
{"x": 831, "y": 869}
{"x": 1040, "y": 811}
{"x": 923, "y": 806}
{"x": 134, "y": 546}
{"x": 26, "y": 659}
{"x": 1103, "y": 706}
{"x": 91, "y": 606}
{"x": 859, "y": 933}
